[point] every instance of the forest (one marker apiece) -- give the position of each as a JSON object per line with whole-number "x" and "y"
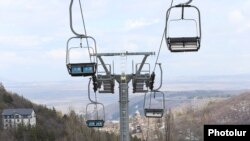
{"x": 51, "y": 124}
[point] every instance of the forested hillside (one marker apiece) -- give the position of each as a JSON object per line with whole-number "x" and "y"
{"x": 51, "y": 125}
{"x": 189, "y": 123}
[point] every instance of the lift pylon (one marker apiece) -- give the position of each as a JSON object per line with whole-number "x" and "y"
{"x": 104, "y": 83}
{"x": 123, "y": 80}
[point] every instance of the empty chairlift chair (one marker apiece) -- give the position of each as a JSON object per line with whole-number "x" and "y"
{"x": 80, "y": 68}
{"x": 141, "y": 80}
{"x": 96, "y": 118}
{"x": 106, "y": 84}
{"x": 105, "y": 80}
{"x": 183, "y": 34}
{"x": 138, "y": 85}
{"x": 154, "y": 104}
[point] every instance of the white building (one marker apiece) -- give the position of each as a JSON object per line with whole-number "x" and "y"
{"x": 12, "y": 117}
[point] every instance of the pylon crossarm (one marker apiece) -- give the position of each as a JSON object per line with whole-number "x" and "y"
{"x": 123, "y": 53}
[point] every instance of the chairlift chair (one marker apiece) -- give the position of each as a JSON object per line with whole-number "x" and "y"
{"x": 150, "y": 110}
{"x": 105, "y": 80}
{"x": 96, "y": 122}
{"x": 106, "y": 84}
{"x": 139, "y": 83}
{"x": 141, "y": 80}
{"x": 183, "y": 44}
{"x": 81, "y": 68}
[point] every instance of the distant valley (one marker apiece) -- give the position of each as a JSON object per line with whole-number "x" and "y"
{"x": 72, "y": 94}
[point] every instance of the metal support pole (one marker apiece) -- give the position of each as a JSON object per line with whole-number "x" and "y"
{"x": 123, "y": 80}
{"x": 124, "y": 113}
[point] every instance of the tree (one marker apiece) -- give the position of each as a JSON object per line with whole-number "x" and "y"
{"x": 7, "y": 98}
{"x": 169, "y": 126}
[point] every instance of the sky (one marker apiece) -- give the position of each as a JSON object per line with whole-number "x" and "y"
{"x": 34, "y": 33}
{"x": 33, "y": 36}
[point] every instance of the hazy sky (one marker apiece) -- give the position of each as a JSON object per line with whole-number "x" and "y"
{"x": 33, "y": 35}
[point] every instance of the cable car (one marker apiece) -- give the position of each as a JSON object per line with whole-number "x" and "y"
{"x": 181, "y": 42}
{"x": 95, "y": 120}
{"x": 154, "y": 104}
{"x": 86, "y": 68}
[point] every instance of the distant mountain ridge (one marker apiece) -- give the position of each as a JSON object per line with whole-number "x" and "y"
{"x": 73, "y": 93}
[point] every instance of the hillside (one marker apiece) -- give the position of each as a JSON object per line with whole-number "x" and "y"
{"x": 51, "y": 125}
{"x": 234, "y": 110}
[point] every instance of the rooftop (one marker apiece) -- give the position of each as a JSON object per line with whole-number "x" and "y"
{"x": 21, "y": 111}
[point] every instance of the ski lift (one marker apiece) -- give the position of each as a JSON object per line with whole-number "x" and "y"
{"x": 154, "y": 104}
{"x": 95, "y": 121}
{"x": 183, "y": 42}
{"x": 87, "y": 68}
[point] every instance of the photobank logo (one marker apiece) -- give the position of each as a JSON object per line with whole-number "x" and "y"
{"x": 225, "y": 132}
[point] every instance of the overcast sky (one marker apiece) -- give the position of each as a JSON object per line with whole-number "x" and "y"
{"x": 33, "y": 35}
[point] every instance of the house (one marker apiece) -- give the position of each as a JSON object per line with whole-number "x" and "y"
{"x": 13, "y": 117}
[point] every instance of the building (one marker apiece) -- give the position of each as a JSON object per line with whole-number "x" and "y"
{"x": 13, "y": 117}
{"x": 136, "y": 122}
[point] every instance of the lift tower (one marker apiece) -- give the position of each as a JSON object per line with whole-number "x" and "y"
{"x": 123, "y": 81}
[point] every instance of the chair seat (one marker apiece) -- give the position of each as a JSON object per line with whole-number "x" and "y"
{"x": 183, "y": 44}
{"x": 140, "y": 91}
{"x": 153, "y": 113}
{"x": 106, "y": 91}
{"x": 81, "y": 69}
{"x": 95, "y": 123}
